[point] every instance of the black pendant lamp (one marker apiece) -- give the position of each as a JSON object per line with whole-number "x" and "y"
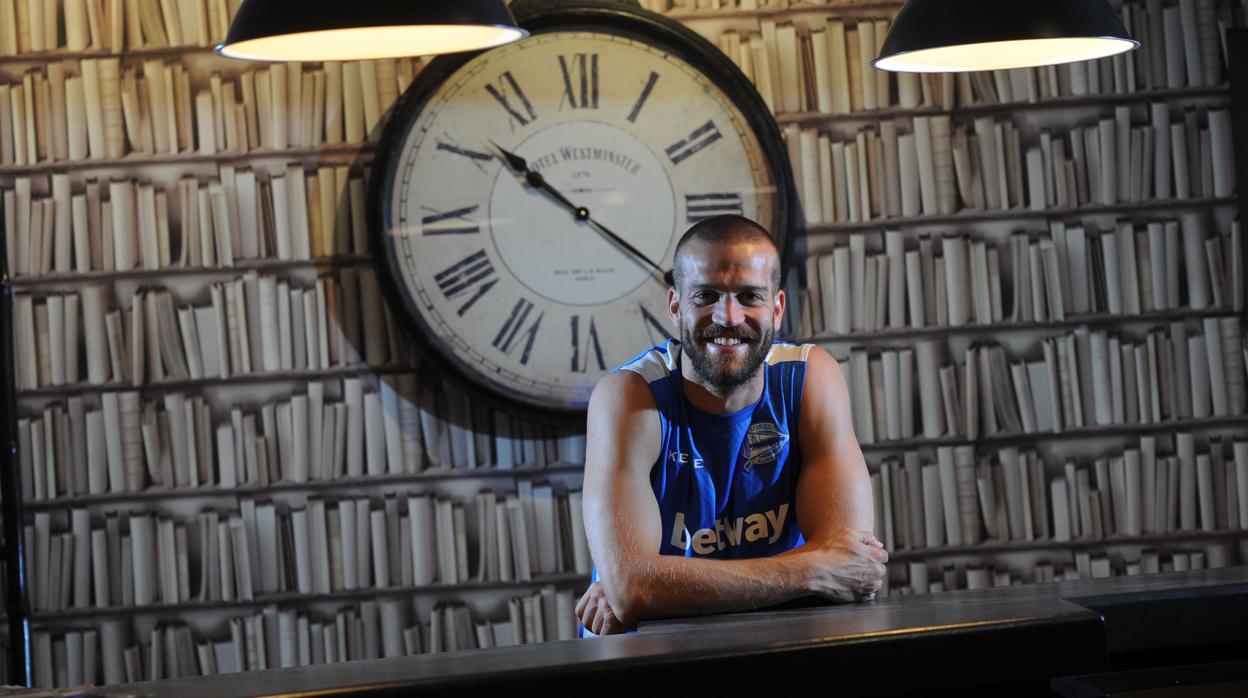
{"x": 944, "y": 36}
{"x": 348, "y": 30}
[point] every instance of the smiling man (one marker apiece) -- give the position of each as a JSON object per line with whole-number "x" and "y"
{"x": 722, "y": 471}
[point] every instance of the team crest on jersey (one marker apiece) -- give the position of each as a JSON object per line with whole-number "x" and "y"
{"x": 763, "y": 444}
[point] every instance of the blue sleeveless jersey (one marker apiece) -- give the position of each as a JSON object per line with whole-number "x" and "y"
{"x": 725, "y": 484}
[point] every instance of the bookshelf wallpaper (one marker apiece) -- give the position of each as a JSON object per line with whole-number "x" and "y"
{"x": 231, "y": 460}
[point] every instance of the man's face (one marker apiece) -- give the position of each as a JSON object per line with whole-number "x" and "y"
{"x": 726, "y": 311}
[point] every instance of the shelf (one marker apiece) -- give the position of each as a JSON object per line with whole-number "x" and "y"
{"x": 1003, "y": 440}
{"x": 971, "y": 216}
{"x": 194, "y": 383}
{"x": 824, "y": 8}
{"x": 315, "y": 486}
{"x": 221, "y": 158}
{"x": 294, "y": 597}
{"x": 1065, "y": 102}
{"x": 1093, "y": 320}
{"x": 62, "y": 54}
{"x": 21, "y": 283}
{"x": 995, "y": 547}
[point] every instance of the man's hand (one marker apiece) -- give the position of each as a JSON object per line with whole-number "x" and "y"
{"x": 848, "y": 567}
{"x": 595, "y": 612}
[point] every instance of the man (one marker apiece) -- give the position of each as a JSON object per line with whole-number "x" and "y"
{"x": 722, "y": 472}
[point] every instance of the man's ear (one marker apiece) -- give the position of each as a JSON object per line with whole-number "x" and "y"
{"x": 673, "y": 306}
{"x": 780, "y": 301}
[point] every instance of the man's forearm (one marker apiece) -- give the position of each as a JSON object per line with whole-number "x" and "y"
{"x": 667, "y": 585}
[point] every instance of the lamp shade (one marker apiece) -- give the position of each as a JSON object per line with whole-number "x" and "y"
{"x": 333, "y": 30}
{"x": 941, "y": 36}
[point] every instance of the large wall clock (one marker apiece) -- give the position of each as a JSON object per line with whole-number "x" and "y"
{"x": 526, "y": 201}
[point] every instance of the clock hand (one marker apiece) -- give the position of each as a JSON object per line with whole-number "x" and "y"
{"x": 534, "y": 179}
{"x": 537, "y": 181}
{"x": 665, "y": 275}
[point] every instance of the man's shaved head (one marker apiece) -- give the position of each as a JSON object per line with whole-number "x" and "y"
{"x": 725, "y": 230}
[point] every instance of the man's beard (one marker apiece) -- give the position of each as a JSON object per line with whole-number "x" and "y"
{"x": 721, "y": 372}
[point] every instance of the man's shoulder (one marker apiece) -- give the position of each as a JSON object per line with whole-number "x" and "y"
{"x": 653, "y": 364}
{"x": 787, "y": 352}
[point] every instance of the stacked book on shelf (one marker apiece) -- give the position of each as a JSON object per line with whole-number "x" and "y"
{"x": 277, "y": 637}
{"x": 33, "y": 26}
{"x": 253, "y": 324}
{"x": 119, "y": 443}
{"x": 1084, "y": 379}
{"x": 965, "y": 498}
{"x": 97, "y": 108}
{"x": 285, "y": 213}
{"x": 135, "y": 560}
{"x": 818, "y": 64}
{"x": 920, "y": 578}
{"x": 927, "y": 166}
{"x": 874, "y": 283}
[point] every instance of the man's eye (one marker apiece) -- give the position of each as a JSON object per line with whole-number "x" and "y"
{"x": 706, "y": 295}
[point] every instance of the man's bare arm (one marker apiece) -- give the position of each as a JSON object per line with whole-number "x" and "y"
{"x": 625, "y": 531}
{"x": 834, "y": 504}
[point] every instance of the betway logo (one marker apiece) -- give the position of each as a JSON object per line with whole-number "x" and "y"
{"x": 727, "y": 532}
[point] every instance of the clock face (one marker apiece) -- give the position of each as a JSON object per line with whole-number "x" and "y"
{"x": 505, "y": 279}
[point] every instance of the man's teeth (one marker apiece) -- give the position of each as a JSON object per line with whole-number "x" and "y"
{"x": 727, "y": 341}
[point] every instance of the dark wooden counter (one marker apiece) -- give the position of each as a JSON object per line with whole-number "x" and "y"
{"x": 1018, "y": 637}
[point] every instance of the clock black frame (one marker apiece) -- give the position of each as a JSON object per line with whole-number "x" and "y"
{"x": 537, "y": 16}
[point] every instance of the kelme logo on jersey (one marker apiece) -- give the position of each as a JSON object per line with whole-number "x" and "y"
{"x": 763, "y": 444}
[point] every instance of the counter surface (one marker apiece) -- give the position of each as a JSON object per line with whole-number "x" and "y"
{"x": 894, "y": 645}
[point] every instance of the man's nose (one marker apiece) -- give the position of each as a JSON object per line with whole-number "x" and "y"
{"x": 728, "y": 312}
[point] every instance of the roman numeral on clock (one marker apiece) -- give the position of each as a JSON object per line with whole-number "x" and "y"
{"x": 473, "y": 276}
{"x": 514, "y": 332}
{"x": 475, "y": 157}
{"x": 451, "y": 222}
{"x": 645, "y": 94}
{"x": 593, "y": 349}
{"x": 696, "y": 142}
{"x": 510, "y": 88}
{"x": 580, "y": 80}
{"x": 658, "y": 331}
{"x": 699, "y": 207}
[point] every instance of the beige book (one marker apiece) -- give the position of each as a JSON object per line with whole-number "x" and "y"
{"x": 58, "y": 117}
{"x": 217, "y": 89}
{"x": 154, "y": 76}
{"x": 278, "y": 106}
{"x": 316, "y": 106}
{"x": 21, "y": 152}
{"x": 305, "y": 110}
{"x": 172, "y": 22}
{"x": 387, "y": 83}
{"x": 6, "y": 125}
{"x": 113, "y": 21}
{"x": 866, "y": 52}
{"x": 247, "y": 83}
{"x": 790, "y": 83}
{"x": 292, "y": 113}
{"x": 35, "y": 25}
{"x": 334, "y": 102}
{"x": 205, "y": 122}
{"x": 297, "y": 208}
{"x": 182, "y": 116}
{"x": 853, "y": 55}
{"x": 8, "y": 28}
{"x": 353, "y": 103}
{"x": 328, "y": 195}
{"x": 22, "y": 14}
{"x": 371, "y": 98}
{"x": 234, "y": 128}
